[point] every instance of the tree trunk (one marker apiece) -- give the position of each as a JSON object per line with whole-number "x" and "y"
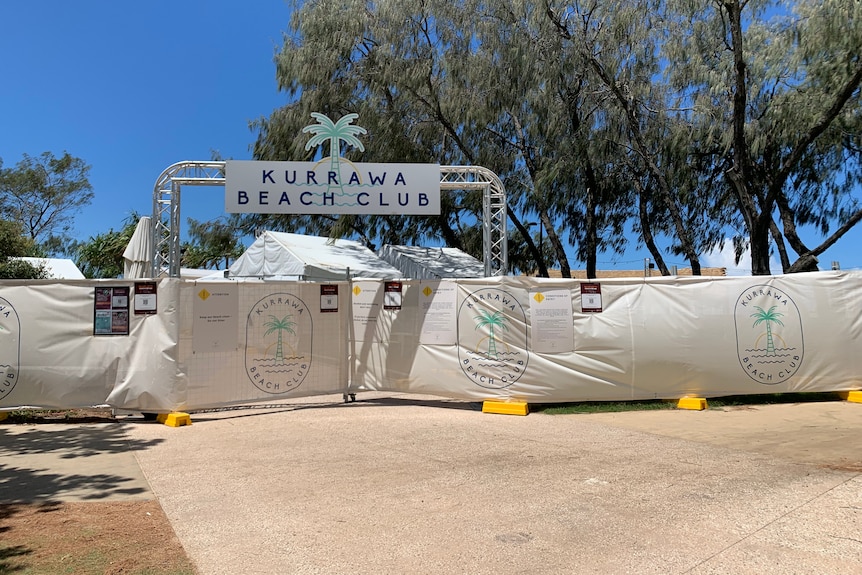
{"x": 559, "y": 249}
{"x": 543, "y": 270}
{"x": 646, "y": 230}
{"x": 760, "y": 247}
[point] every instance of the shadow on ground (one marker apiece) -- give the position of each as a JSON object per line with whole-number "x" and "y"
{"x": 255, "y": 410}
{"x": 21, "y": 481}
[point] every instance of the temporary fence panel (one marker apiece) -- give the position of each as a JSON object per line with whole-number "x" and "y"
{"x": 173, "y": 344}
{"x": 255, "y": 341}
{"x": 621, "y": 339}
{"x": 68, "y": 344}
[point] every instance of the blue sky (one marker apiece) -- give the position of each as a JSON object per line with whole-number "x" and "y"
{"x": 133, "y": 87}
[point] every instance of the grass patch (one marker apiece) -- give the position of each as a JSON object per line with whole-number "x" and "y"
{"x": 653, "y": 404}
{"x": 602, "y": 406}
{"x": 771, "y": 398}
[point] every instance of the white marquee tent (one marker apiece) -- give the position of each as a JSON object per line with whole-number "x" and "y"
{"x": 58, "y": 268}
{"x": 432, "y": 263}
{"x": 284, "y": 256}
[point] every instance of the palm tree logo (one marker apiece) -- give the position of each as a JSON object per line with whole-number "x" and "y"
{"x": 334, "y": 132}
{"x": 767, "y": 317}
{"x": 780, "y": 356}
{"x": 492, "y": 320}
{"x": 484, "y": 314}
{"x": 279, "y": 325}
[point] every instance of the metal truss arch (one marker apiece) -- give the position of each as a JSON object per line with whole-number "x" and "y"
{"x": 166, "y": 222}
{"x": 494, "y": 216}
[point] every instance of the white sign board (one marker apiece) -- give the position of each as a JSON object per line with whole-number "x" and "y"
{"x": 551, "y": 322}
{"x": 366, "y": 306}
{"x": 331, "y": 187}
{"x": 438, "y": 303}
{"x": 215, "y": 321}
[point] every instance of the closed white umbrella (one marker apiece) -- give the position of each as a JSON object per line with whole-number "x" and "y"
{"x": 136, "y": 257}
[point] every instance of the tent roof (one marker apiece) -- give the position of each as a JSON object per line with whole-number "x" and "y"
{"x": 432, "y": 263}
{"x": 294, "y": 256}
{"x": 57, "y": 268}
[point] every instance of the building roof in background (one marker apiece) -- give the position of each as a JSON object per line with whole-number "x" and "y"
{"x": 582, "y": 274}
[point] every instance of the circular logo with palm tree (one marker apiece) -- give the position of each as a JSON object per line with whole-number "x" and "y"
{"x": 768, "y": 334}
{"x": 492, "y": 338}
{"x": 10, "y": 347}
{"x": 278, "y": 338}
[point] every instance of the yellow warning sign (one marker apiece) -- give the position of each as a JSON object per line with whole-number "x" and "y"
{"x": 356, "y": 290}
{"x": 427, "y": 291}
{"x": 203, "y": 294}
{"x": 539, "y": 297}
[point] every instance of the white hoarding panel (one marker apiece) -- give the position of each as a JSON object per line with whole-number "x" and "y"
{"x": 287, "y": 346}
{"x": 653, "y": 338}
{"x": 52, "y": 356}
{"x": 660, "y": 338}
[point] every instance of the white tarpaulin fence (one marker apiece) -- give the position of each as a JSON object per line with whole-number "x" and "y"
{"x": 184, "y": 345}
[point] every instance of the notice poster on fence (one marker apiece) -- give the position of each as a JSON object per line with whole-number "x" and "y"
{"x": 551, "y": 321}
{"x": 367, "y": 301}
{"x": 591, "y": 298}
{"x": 437, "y": 307}
{"x": 111, "y": 313}
{"x": 145, "y": 298}
{"x": 215, "y": 324}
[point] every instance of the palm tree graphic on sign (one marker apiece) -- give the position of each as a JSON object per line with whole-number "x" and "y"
{"x": 279, "y": 325}
{"x": 335, "y": 132}
{"x": 767, "y": 317}
{"x": 492, "y": 320}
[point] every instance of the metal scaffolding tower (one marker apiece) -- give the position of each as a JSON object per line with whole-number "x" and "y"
{"x": 166, "y": 210}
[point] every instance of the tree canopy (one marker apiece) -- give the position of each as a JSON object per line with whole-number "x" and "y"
{"x": 690, "y": 122}
{"x": 101, "y": 256}
{"x": 211, "y": 244}
{"x": 43, "y": 194}
{"x": 14, "y": 244}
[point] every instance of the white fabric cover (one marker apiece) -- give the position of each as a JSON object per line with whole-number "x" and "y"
{"x": 416, "y": 262}
{"x": 279, "y": 255}
{"x": 665, "y": 337}
{"x": 653, "y": 338}
{"x": 226, "y": 377}
{"x": 55, "y": 361}
{"x": 137, "y": 257}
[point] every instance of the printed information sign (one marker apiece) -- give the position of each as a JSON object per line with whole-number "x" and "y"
{"x": 329, "y": 298}
{"x": 591, "y": 297}
{"x": 392, "y": 295}
{"x": 366, "y": 309}
{"x": 551, "y": 321}
{"x": 145, "y": 298}
{"x": 438, "y": 305}
{"x": 111, "y": 310}
{"x": 216, "y": 322}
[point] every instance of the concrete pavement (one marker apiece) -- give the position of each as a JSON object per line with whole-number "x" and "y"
{"x": 412, "y": 485}
{"x": 406, "y": 484}
{"x": 70, "y": 462}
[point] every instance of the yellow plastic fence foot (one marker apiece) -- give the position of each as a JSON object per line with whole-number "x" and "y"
{"x": 505, "y": 407}
{"x": 854, "y": 396}
{"x": 175, "y": 419}
{"x": 695, "y": 403}
{"x": 3, "y": 415}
